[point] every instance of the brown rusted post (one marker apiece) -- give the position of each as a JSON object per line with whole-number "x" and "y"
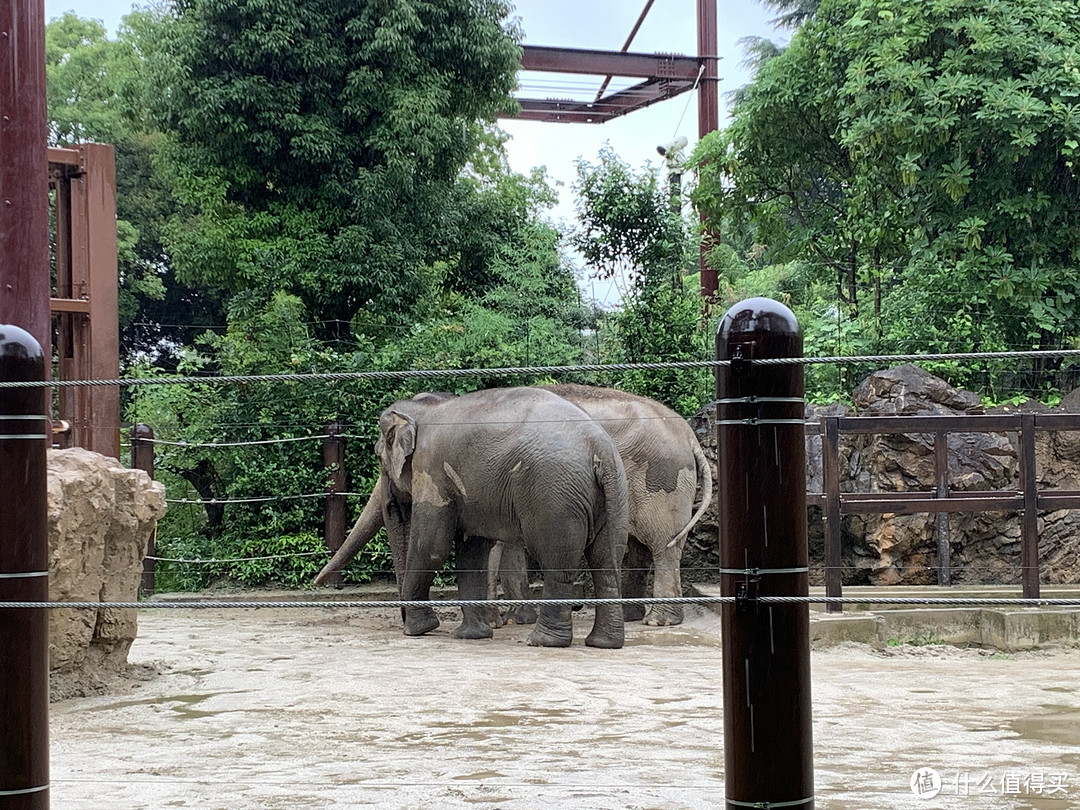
{"x": 941, "y": 519}
{"x": 24, "y": 576}
{"x": 830, "y": 474}
{"x": 87, "y": 334}
{"x": 1029, "y": 531}
{"x": 708, "y": 115}
{"x": 142, "y": 458}
{"x": 761, "y": 461}
{"x": 24, "y": 169}
{"x": 334, "y": 460}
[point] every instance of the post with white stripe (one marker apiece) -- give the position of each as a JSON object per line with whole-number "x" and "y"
{"x": 24, "y": 576}
{"x": 761, "y": 465}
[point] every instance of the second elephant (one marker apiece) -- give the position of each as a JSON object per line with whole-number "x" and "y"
{"x": 665, "y": 468}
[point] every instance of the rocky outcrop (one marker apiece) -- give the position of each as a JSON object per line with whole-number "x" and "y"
{"x": 101, "y": 516}
{"x": 902, "y": 549}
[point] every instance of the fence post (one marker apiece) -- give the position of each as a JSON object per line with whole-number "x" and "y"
{"x": 24, "y": 575}
{"x": 830, "y": 474}
{"x": 142, "y": 458}
{"x": 1029, "y": 531}
{"x": 334, "y": 461}
{"x": 941, "y": 519}
{"x": 761, "y": 460}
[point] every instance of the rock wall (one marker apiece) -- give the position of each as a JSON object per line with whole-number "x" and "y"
{"x": 101, "y": 516}
{"x": 902, "y": 549}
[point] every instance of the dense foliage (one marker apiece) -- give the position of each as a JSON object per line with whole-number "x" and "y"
{"x": 307, "y": 187}
{"x": 312, "y": 186}
{"x": 917, "y": 159}
{"x": 317, "y": 146}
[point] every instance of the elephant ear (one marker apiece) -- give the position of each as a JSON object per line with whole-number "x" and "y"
{"x": 400, "y": 442}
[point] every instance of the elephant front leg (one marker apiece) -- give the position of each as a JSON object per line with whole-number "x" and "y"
{"x": 554, "y": 623}
{"x": 472, "y": 577}
{"x": 428, "y": 548}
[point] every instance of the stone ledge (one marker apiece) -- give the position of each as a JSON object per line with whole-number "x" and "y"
{"x": 1008, "y": 629}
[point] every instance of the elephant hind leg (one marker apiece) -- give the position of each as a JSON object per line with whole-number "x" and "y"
{"x": 607, "y": 632}
{"x": 514, "y": 574}
{"x": 472, "y": 562}
{"x": 554, "y": 623}
{"x": 667, "y": 581}
{"x": 635, "y": 575}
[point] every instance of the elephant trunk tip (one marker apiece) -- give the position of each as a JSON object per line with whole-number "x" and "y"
{"x": 325, "y": 574}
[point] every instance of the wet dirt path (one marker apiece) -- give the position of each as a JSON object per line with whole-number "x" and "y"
{"x": 280, "y": 708}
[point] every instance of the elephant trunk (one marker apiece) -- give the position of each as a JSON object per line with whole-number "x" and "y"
{"x": 365, "y": 528}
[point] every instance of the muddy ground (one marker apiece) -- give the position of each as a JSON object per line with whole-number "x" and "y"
{"x": 301, "y": 708}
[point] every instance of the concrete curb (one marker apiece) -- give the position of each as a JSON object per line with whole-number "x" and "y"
{"x": 1007, "y": 629}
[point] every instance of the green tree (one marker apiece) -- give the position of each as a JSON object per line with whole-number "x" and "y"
{"x": 96, "y": 93}
{"x": 629, "y": 228}
{"x": 921, "y": 155}
{"x": 316, "y": 144}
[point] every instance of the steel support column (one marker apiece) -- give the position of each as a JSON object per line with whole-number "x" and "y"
{"x": 24, "y": 214}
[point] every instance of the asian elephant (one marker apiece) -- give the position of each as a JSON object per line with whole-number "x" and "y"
{"x": 665, "y": 466}
{"x": 518, "y": 465}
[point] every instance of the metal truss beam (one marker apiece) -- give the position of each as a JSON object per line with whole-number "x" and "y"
{"x": 665, "y": 75}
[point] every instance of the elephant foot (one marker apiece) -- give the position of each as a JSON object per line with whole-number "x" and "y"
{"x": 493, "y": 618}
{"x": 522, "y": 614}
{"x": 664, "y": 618}
{"x": 539, "y": 637}
{"x": 473, "y": 631}
{"x": 419, "y": 621}
{"x": 605, "y": 640}
{"x": 633, "y": 613}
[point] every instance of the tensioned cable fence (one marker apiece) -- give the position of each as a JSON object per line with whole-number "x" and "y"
{"x": 490, "y": 372}
{"x": 352, "y": 604}
{"x": 341, "y": 376}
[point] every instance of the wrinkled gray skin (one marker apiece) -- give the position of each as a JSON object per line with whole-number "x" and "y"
{"x": 665, "y": 466}
{"x": 517, "y": 465}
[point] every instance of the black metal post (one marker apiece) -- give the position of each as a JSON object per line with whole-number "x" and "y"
{"x": 761, "y": 460}
{"x": 24, "y": 575}
{"x": 334, "y": 461}
{"x": 142, "y": 458}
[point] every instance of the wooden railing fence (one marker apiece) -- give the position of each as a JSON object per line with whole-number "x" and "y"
{"x": 1026, "y": 499}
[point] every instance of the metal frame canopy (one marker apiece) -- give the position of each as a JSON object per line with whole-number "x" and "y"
{"x": 663, "y": 76}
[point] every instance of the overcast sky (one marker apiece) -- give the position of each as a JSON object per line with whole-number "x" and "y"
{"x": 670, "y": 27}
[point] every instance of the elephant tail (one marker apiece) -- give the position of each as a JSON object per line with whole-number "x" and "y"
{"x": 705, "y": 481}
{"x": 365, "y": 528}
{"x": 611, "y": 477}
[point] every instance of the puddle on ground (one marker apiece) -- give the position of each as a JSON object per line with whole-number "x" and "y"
{"x": 480, "y": 776}
{"x": 1061, "y": 724}
{"x": 180, "y": 704}
{"x": 525, "y": 716}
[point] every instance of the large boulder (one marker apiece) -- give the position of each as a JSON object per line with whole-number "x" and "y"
{"x": 902, "y": 549}
{"x": 101, "y": 517}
